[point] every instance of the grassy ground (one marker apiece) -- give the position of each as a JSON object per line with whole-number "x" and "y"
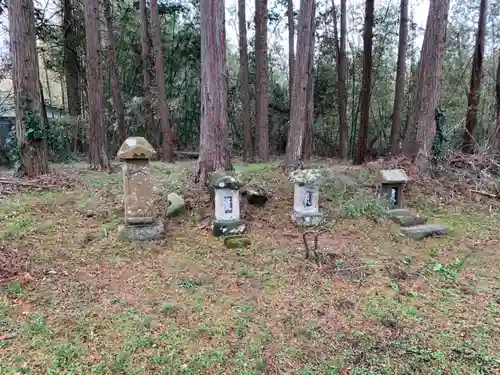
{"x": 375, "y": 303}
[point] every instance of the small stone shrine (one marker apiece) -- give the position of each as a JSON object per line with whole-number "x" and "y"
{"x": 391, "y": 190}
{"x": 226, "y": 222}
{"x": 306, "y": 197}
{"x": 141, "y": 223}
{"x": 392, "y": 182}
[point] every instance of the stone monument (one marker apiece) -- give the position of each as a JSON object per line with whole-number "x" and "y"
{"x": 306, "y": 198}
{"x": 392, "y": 182}
{"x": 141, "y": 223}
{"x": 226, "y": 187}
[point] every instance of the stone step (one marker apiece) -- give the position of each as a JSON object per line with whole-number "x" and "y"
{"x": 405, "y": 218}
{"x": 419, "y": 232}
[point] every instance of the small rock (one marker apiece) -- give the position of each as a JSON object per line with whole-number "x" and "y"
{"x": 90, "y": 213}
{"x": 176, "y": 205}
{"x": 420, "y": 232}
{"x": 237, "y": 242}
{"x": 405, "y": 218}
{"x": 255, "y": 196}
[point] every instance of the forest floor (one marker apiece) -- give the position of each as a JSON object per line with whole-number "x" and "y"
{"x": 79, "y": 301}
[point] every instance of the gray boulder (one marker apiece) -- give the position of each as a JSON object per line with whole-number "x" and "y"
{"x": 176, "y": 205}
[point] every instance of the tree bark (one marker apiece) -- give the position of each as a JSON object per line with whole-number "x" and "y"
{"x": 98, "y": 157}
{"x": 342, "y": 76}
{"x": 262, "y": 82}
{"x": 27, "y": 89}
{"x": 291, "y": 49}
{"x": 71, "y": 65}
{"x": 214, "y": 136}
{"x": 473, "y": 96}
{"x": 307, "y": 149}
{"x": 422, "y": 125}
{"x": 244, "y": 86}
{"x": 400, "y": 78}
{"x": 168, "y": 151}
{"x": 366, "y": 83}
{"x": 495, "y": 137}
{"x": 147, "y": 108}
{"x": 299, "y": 91}
{"x": 115, "y": 75}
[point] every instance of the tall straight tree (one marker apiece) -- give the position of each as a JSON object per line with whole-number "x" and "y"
{"x": 115, "y": 74}
{"x": 244, "y": 87}
{"x": 299, "y": 91}
{"x": 291, "y": 49}
{"x": 168, "y": 151}
{"x": 27, "y": 88}
{"x": 214, "y": 134}
{"x": 422, "y": 124}
{"x": 366, "y": 83}
{"x": 473, "y": 95}
{"x": 261, "y": 82}
{"x": 494, "y": 141}
{"x": 340, "y": 47}
{"x": 98, "y": 157}
{"x": 307, "y": 145}
{"x": 146, "y": 71}
{"x": 71, "y": 63}
{"x": 400, "y": 78}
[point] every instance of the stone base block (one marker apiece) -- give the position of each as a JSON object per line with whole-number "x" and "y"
{"x": 237, "y": 242}
{"x": 228, "y": 227}
{"x": 405, "y": 218}
{"x": 308, "y": 220}
{"x": 420, "y": 232}
{"x": 138, "y": 232}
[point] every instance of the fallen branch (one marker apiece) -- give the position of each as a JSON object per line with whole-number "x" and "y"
{"x": 8, "y": 336}
{"x": 315, "y": 248}
{"x": 485, "y": 193}
{"x": 25, "y": 183}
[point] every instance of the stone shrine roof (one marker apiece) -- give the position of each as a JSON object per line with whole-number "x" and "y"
{"x": 393, "y": 176}
{"x": 306, "y": 176}
{"x": 136, "y": 148}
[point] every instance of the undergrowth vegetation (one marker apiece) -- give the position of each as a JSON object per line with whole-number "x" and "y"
{"x": 377, "y": 303}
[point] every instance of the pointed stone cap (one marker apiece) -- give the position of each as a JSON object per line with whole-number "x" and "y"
{"x": 304, "y": 177}
{"x": 393, "y": 176}
{"x": 225, "y": 180}
{"x": 136, "y": 148}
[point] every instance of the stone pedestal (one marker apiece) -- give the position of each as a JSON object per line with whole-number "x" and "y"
{"x": 306, "y": 198}
{"x": 392, "y": 182}
{"x": 226, "y": 220}
{"x": 140, "y": 216}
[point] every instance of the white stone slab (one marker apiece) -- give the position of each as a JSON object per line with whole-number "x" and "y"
{"x": 306, "y": 199}
{"x": 393, "y": 176}
{"x": 227, "y": 204}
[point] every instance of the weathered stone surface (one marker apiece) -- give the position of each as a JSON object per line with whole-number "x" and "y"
{"x": 306, "y": 176}
{"x": 138, "y": 192}
{"x": 224, "y": 180}
{"x": 405, "y": 218}
{"x": 176, "y": 205}
{"x": 420, "y": 232}
{"x": 308, "y": 220}
{"x": 149, "y": 232}
{"x": 256, "y": 196}
{"x": 136, "y": 148}
{"x": 393, "y": 176}
{"x": 237, "y": 242}
{"x": 228, "y": 227}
